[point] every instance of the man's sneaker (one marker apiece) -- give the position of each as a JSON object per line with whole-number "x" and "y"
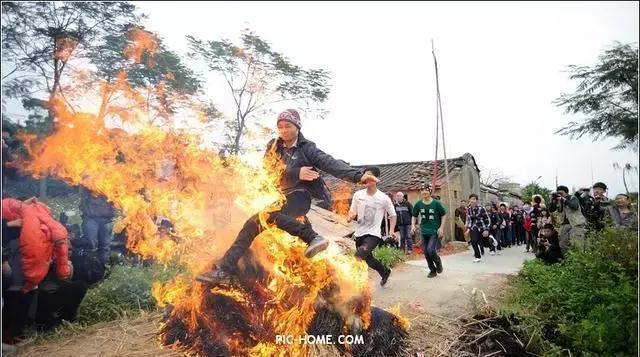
{"x": 477, "y": 260}
{"x": 439, "y": 269}
{"x": 215, "y": 276}
{"x": 493, "y": 253}
{"x": 317, "y": 245}
{"x": 432, "y": 274}
{"x": 385, "y": 277}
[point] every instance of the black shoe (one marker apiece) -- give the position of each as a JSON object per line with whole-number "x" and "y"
{"x": 439, "y": 269}
{"x": 432, "y": 274}
{"x": 317, "y": 245}
{"x": 215, "y": 276}
{"x": 385, "y": 277}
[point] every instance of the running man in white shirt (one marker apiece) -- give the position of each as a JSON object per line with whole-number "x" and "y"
{"x": 368, "y": 207}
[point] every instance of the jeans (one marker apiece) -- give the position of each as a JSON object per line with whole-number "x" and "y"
{"x": 297, "y": 204}
{"x": 406, "y": 240}
{"x": 476, "y": 243}
{"x": 430, "y": 245}
{"x": 365, "y": 246}
{"x": 98, "y": 231}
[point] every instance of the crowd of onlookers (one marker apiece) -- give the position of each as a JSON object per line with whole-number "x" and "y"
{"x": 543, "y": 226}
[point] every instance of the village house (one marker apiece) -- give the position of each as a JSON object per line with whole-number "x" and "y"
{"x": 408, "y": 177}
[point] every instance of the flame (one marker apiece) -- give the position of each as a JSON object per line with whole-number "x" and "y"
{"x": 340, "y": 205}
{"x": 395, "y": 310}
{"x": 149, "y": 172}
{"x": 141, "y": 42}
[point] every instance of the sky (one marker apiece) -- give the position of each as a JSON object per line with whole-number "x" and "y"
{"x": 500, "y": 67}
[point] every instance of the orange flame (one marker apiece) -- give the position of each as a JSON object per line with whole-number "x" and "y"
{"x": 149, "y": 172}
{"x": 340, "y": 203}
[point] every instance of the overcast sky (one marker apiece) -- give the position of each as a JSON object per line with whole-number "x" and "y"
{"x": 501, "y": 66}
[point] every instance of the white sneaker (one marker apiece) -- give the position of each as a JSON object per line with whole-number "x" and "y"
{"x": 499, "y": 252}
{"x": 493, "y": 253}
{"x": 477, "y": 260}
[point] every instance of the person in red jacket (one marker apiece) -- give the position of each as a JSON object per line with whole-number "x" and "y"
{"x": 42, "y": 239}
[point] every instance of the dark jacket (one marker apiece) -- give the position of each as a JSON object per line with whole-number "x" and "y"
{"x": 496, "y": 220}
{"x": 403, "y": 212}
{"x": 305, "y": 153}
{"x": 478, "y": 219}
{"x": 95, "y": 206}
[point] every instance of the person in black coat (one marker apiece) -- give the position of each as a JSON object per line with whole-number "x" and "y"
{"x": 299, "y": 183}
{"x": 549, "y": 245}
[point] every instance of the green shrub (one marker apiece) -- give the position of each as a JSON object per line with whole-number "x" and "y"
{"x": 126, "y": 291}
{"x": 388, "y": 256}
{"x": 587, "y": 303}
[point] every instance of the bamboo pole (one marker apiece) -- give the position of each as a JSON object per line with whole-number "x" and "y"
{"x": 444, "y": 148}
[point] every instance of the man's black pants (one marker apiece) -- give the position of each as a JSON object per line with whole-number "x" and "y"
{"x": 477, "y": 243}
{"x": 365, "y": 245}
{"x": 297, "y": 204}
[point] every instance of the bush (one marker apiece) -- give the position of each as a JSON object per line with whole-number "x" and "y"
{"x": 587, "y": 303}
{"x": 126, "y": 291}
{"x": 388, "y": 256}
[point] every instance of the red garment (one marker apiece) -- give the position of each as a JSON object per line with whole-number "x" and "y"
{"x": 42, "y": 239}
{"x": 527, "y": 224}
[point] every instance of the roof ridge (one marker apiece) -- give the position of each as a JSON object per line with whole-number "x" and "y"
{"x": 410, "y": 162}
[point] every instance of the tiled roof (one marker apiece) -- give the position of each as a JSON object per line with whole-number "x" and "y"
{"x": 405, "y": 176}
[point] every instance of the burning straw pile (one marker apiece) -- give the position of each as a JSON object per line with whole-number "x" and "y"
{"x": 151, "y": 173}
{"x": 235, "y": 320}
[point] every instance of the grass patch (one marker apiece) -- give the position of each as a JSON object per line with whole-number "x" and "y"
{"x": 586, "y": 304}
{"x": 125, "y": 293}
{"x": 388, "y": 256}
{"x": 65, "y": 203}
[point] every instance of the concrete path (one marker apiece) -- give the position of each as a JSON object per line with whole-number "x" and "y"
{"x": 445, "y": 295}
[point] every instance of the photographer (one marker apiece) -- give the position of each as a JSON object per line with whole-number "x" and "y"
{"x": 572, "y": 228}
{"x": 594, "y": 207}
{"x": 549, "y": 245}
{"x": 622, "y": 215}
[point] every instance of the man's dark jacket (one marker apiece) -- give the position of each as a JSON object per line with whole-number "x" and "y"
{"x": 403, "y": 212}
{"x": 305, "y": 153}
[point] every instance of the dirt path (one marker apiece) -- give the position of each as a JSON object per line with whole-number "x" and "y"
{"x": 447, "y": 295}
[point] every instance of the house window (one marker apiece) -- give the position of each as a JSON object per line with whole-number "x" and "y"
{"x": 455, "y": 194}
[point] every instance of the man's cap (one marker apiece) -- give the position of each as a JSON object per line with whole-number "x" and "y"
{"x": 290, "y": 115}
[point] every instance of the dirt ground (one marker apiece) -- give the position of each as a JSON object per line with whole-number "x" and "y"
{"x": 431, "y": 305}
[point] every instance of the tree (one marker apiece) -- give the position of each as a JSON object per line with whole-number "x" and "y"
{"x": 138, "y": 58}
{"x": 534, "y": 189}
{"x": 492, "y": 177}
{"x": 258, "y": 77}
{"x": 607, "y": 96}
{"x": 625, "y": 168}
{"x": 40, "y": 40}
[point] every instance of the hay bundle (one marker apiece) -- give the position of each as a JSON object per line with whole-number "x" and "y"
{"x": 225, "y": 324}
